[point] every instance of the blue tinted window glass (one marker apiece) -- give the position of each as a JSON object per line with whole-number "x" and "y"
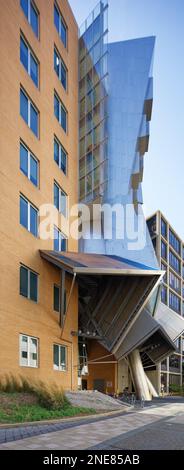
{"x": 56, "y": 107}
{"x": 63, "y": 75}
{"x": 23, "y": 281}
{"x": 34, "y": 70}
{"x": 24, "y": 5}
{"x": 56, "y": 62}
{"x": 33, "y": 286}
{"x": 56, "y": 18}
{"x": 56, "y": 239}
{"x": 63, "y": 161}
{"x": 33, "y": 171}
{"x": 23, "y": 212}
{"x": 33, "y": 221}
{"x": 63, "y": 203}
{"x": 34, "y": 20}
{"x": 56, "y": 196}
{"x": 24, "y": 106}
{"x": 63, "y": 119}
{"x": 24, "y": 54}
{"x": 63, "y": 33}
{"x": 63, "y": 244}
{"x": 56, "y": 152}
{"x": 24, "y": 159}
{"x": 34, "y": 120}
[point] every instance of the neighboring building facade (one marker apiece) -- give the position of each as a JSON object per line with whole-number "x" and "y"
{"x": 39, "y": 161}
{"x": 169, "y": 249}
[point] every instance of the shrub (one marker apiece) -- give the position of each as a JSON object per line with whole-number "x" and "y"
{"x": 50, "y": 396}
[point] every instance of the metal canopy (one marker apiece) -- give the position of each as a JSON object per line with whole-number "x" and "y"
{"x": 84, "y": 263}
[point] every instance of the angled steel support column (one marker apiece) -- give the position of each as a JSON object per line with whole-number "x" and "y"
{"x": 139, "y": 376}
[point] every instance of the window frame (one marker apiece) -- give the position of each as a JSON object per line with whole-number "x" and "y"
{"x": 28, "y": 351}
{"x": 66, "y": 358}
{"x": 61, "y": 106}
{"x": 61, "y": 64}
{"x": 65, "y": 298}
{"x": 30, "y": 103}
{"x": 61, "y": 21}
{"x": 61, "y": 193}
{"x": 31, "y": 3}
{"x": 30, "y": 53}
{"x": 61, "y": 237}
{"x": 30, "y": 204}
{"x": 61, "y": 148}
{"x": 29, "y": 271}
{"x": 31, "y": 155}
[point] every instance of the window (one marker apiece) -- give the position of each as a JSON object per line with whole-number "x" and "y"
{"x": 29, "y": 61}
{"x": 60, "y": 156}
{"x": 60, "y": 241}
{"x": 29, "y": 112}
{"x": 163, "y": 250}
{"x": 174, "y": 282}
{"x": 32, "y": 15}
{"x": 28, "y": 284}
{"x": 174, "y": 302}
{"x": 59, "y": 357}
{"x": 60, "y": 26}
{"x": 174, "y": 363}
{"x": 174, "y": 262}
{"x": 28, "y": 351}
{"x": 163, "y": 228}
{"x": 174, "y": 242}
{"x": 29, "y": 164}
{"x": 164, "y": 295}
{"x": 60, "y": 113}
{"x": 28, "y": 216}
{"x": 57, "y": 298}
{"x": 60, "y": 200}
{"x": 60, "y": 69}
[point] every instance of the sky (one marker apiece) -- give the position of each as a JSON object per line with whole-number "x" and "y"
{"x": 163, "y": 185}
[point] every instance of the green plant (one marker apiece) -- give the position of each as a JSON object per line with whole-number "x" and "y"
{"x": 50, "y": 396}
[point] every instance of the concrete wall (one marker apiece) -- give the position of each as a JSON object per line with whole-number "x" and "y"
{"x": 17, "y": 314}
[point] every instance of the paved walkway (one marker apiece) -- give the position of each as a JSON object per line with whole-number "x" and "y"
{"x": 113, "y": 432}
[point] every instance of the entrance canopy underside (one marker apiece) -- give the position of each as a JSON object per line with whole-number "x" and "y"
{"x": 113, "y": 293}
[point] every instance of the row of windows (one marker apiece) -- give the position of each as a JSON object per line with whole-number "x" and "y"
{"x": 31, "y": 64}
{"x": 30, "y": 113}
{"x": 174, "y": 300}
{"x": 29, "y": 217}
{"x": 31, "y": 12}
{"x": 29, "y": 288}
{"x": 174, "y": 242}
{"x": 29, "y": 353}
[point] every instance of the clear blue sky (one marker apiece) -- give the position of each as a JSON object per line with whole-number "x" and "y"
{"x": 163, "y": 186}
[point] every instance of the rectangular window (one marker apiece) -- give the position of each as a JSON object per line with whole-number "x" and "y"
{"x": 60, "y": 241}
{"x": 163, "y": 250}
{"x": 60, "y": 69}
{"x": 174, "y": 262}
{"x": 174, "y": 242}
{"x": 174, "y": 302}
{"x": 60, "y": 200}
{"x": 29, "y": 61}
{"x": 60, "y": 156}
{"x": 59, "y": 357}
{"x": 60, "y": 112}
{"x": 28, "y": 284}
{"x": 60, "y": 25}
{"x": 28, "y": 216}
{"x": 32, "y": 15}
{"x": 29, "y": 112}
{"x": 164, "y": 295}
{"x": 28, "y": 351}
{"x": 29, "y": 164}
{"x": 164, "y": 268}
{"x": 163, "y": 228}
{"x": 57, "y": 298}
{"x": 174, "y": 282}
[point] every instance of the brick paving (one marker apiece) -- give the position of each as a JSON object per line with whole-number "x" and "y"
{"x": 151, "y": 428}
